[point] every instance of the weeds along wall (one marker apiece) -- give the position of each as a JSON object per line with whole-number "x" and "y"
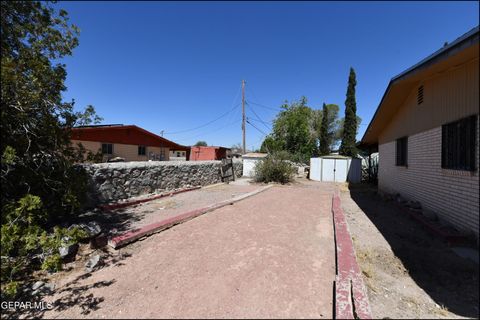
{"x": 111, "y": 182}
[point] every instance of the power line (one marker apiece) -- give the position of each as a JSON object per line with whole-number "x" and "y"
{"x": 258, "y": 117}
{"x": 234, "y": 114}
{"x": 257, "y": 128}
{"x": 209, "y": 132}
{"x": 206, "y": 124}
{"x": 266, "y": 107}
{"x": 255, "y": 96}
{"x": 212, "y": 121}
{"x": 244, "y": 144}
{"x": 250, "y": 89}
{"x": 258, "y": 120}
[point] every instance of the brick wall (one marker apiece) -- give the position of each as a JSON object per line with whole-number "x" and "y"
{"x": 452, "y": 194}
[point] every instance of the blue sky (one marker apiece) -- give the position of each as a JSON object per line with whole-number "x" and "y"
{"x": 175, "y": 66}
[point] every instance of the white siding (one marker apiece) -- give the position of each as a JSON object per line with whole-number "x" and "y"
{"x": 249, "y": 166}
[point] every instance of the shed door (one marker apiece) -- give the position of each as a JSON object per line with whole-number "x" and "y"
{"x": 315, "y": 168}
{"x": 341, "y": 170}
{"x": 328, "y": 170}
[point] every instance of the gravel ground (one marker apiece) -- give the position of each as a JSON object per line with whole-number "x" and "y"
{"x": 136, "y": 216}
{"x": 268, "y": 256}
{"x": 408, "y": 272}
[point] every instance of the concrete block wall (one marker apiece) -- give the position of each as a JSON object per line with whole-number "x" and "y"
{"x": 453, "y": 195}
{"x": 111, "y": 182}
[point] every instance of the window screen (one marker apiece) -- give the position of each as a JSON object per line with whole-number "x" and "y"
{"x": 458, "y": 144}
{"x": 107, "y": 148}
{"x": 401, "y": 154}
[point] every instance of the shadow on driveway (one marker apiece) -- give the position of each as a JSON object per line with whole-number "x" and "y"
{"x": 448, "y": 279}
{"x": 72, "y": 294}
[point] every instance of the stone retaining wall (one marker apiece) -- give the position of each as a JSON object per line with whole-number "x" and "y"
{"x": 111, "y": 182}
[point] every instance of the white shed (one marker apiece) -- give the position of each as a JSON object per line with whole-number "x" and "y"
{"x": 336, "y": 168}
{"x": 249, "y": 162}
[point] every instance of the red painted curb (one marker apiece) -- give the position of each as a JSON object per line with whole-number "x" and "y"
{"x": 351, "y": 300}
{"x": 343, "y": 298}
{"x": 136, "y": 234}
{"x": 149, "y": 229}
{"x": 113, "y": 206}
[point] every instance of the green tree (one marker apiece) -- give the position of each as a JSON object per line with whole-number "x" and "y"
{"x": 270, "y": 144}
{"x": 339, "y": 130}
{"x": 347, "y": 147}
{"x": 333, "y": 125}
{"x": 293, "y": 130}
{"x": 201, "y": 144}
{"x": 40, "y": 183}
{"x": 324, "y": 137}
{"x": 297, "y": 129}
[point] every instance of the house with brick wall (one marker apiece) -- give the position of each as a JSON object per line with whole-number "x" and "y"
{"x": 129, "y": 142}
{"x": 426, "y": 131}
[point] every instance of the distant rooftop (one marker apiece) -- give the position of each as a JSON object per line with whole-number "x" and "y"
{"x": 255, "y": 155}
{"x": 101, "y": 125}
{"x": 215, "y": 147}
{"x": 99, "y": 130}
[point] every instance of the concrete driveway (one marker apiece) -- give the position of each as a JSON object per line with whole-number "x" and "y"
{"x": 268, "y": 256}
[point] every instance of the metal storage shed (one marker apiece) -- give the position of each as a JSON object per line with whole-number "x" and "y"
{"x": 336, "y": 169}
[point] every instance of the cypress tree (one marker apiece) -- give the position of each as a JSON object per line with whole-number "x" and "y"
{"x": 324, "y": 143}
{"x": 347, "y": 147}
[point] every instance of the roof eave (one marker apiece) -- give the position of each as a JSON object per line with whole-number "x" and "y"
{"x": 442, "y": 53}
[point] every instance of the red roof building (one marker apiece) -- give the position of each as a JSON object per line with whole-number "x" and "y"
{"x": 129, "y": 142}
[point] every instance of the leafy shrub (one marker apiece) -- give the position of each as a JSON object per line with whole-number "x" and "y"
{"x": 10, "y": 289}
{"x": 24, "y": 244}
{"x": 52, "y": 263}
{"x": 301, "y": 158}
{"x": 274, "y": 168}
{"x": 283, "y": 155}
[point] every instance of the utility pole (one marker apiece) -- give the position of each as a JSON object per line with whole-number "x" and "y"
{"x": 243, "y": 116}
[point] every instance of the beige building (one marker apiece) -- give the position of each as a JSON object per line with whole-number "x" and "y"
{"x": 129, "y": 142}
{"x": 426, "y": 129}
{"x": 180, "y": 155}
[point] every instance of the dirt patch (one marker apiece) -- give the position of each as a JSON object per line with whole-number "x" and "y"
{"x": 69, "y": 284}
{"x": 133, "y": 217}
{"x": 166, "y": 204}
{"x": 409, "y": 273}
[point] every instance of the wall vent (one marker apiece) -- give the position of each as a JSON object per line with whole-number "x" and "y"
{"x": 420, "y": 95}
